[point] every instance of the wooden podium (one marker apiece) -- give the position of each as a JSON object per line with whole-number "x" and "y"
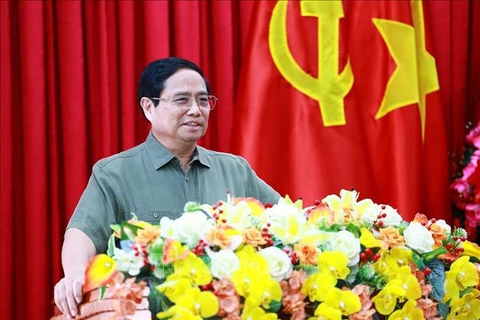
{"x": 94, "y": 309}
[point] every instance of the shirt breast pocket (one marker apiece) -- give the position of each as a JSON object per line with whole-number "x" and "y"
{"x": 154, "y": 216}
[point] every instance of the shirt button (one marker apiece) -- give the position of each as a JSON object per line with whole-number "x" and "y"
{"x": 187, "y": 179}
{"x": 155, "y": 214}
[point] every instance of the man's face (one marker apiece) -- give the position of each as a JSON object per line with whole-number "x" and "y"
{"x": 175, "y": 127}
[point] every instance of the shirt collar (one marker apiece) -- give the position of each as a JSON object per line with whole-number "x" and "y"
{"x": 160, "y": 155}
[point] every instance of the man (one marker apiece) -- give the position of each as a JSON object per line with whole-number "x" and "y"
{"x": 157, "y": 177}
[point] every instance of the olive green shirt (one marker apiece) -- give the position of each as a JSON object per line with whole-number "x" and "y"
{"x": 149, "y": 181}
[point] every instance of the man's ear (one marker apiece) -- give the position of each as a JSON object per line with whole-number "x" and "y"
{"x": 147, "y": 107}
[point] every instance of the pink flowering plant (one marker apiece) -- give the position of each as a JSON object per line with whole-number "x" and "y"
{"x": 338, "y": 259}
{"x": 466, "y": 186}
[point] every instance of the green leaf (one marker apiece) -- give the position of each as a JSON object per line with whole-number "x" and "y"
{"x": 429, "y": 256}
{"x": 134, "y": 216}
{"x": 443, "y": 309}
{"x": 192, "y": 206}
{"x": 436, "y": 278}
{"x": 102, "y": 290}
{"x": 274, "y": 306}
{"x": 354, "y": 229}
{"x": 309, "y": 269}
{"x": 111, "y": 245}
{"x": 418, "y": 260}
{"x": 129, "y": 231}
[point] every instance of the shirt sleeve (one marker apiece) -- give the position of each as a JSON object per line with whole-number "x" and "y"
{"x": 257, "y": 188}
{"x": 99, "y": 207}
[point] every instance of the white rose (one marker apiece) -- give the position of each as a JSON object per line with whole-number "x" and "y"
{"x": 279, "y": 263}
{"x": 346, "y": 242}
{"x": 127, "y": 261}
{"x": 187, "y": 229}
{"x": 392, "y": 219}
{"x": 371, "y": 213}
{"x": 418, "y": 238}
{"x": 444, "y": 226}
{"x": 223, "y": 263}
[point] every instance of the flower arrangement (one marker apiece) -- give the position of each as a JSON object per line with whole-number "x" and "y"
{"x": 339, "y": 259}
{"x": 466, "y": 186}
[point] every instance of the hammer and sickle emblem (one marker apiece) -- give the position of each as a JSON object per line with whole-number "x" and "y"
{"x": 330, "y": 88}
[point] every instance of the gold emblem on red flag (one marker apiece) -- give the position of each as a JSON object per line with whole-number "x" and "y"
{"x": 331, "y": 87}
{"x": 416, "y": 73}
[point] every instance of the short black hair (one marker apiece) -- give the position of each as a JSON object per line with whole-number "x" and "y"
{"x": 152, "y": 80}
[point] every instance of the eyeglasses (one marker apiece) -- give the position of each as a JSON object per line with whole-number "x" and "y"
{"x": 204, "y": 102}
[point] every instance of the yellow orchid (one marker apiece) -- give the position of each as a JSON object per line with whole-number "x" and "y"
{"x": 398, "y": 257}
{"x": 194, "y": 304}
{"x": 408, "y": 311}
{"x": 326, "y": 312}
{"x": 272, "y": 292}
{"x": 368, "y": 240}
{"x": 174, "y": 287}
{"x": 334, "y": 262}
{"x": 253, "y": 276}
{"x": 173, "y": 250}
{"x": 470, "y": 249}
{"x": 409, "y": 283}
{"x": 467, "y": 307}
{"x": 386, "y": 300}
{"x": 317, "y": 286}
{"x": 194, "y": 269}
{"x": 462, "y": 274}
{"x": 257, "y": 313}
{"x": 100, "y": 270}
{"x": 344, "y": 300}
{"x": 385, "y": 266}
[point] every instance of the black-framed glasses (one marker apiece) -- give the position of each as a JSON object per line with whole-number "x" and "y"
{"x": 205, "y": 102}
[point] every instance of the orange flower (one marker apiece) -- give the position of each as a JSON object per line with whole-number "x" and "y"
{"x": 253, "y": 237}
{"x": 293, "y": 300}
{"x": 420, "y": 218}
{"x": 321, "y": 213}
{"x": 438, "y": 233}
{"x": 218, "y": 237}
{"x": 392, "y": 237}
{"x": 428, "y": 307}
{"x": 307, "y": 253}
{"x": 100, "y": 270}
{"x": 366, "y": 313}
{"x": 228, "y": 299}
{"x": 147, "y": 235}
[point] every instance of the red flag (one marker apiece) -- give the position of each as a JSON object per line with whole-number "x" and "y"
{"x": 339, "y": 95}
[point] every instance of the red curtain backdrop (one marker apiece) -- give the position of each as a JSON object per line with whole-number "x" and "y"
{"x": 69, "y": 71}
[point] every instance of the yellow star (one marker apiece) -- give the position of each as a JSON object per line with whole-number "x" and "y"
{"x": 416, "y": 73}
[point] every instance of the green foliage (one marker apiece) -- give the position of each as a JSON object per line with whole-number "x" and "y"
{"x": 354, "y": 229}
{"x": 436, "y": 279}
{"x": 309, "y": 269}
{"x": 129, "y": 231}
{"x": 429, "y": 256}
{"x": 192, "y": 206}
{"x": 418, "y": 260}
{"x": 368, "y": 276}
{"x": 443, "y": 309}
{"x": 102, "y": 290}
{"x": 274, "y": 306}
{"x": 111, "y": 245}
{"x": 354, "y": 270}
